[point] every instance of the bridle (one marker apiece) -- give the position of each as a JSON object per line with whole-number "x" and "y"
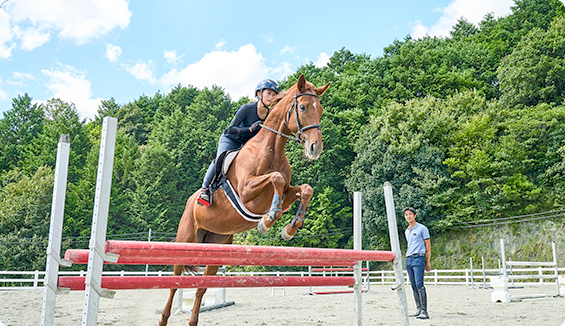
{"x": 298, "y": 139}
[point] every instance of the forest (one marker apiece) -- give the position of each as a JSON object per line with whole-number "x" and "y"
{"x": 467, "y": 128}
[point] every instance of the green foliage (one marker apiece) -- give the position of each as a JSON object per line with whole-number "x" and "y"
{"x": 24, "y": 218}
{"x": 535, "y": 71}
{"x": 18, "y": 128}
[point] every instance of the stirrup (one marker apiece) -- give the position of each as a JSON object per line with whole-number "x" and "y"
{"x": 204, "y": 198}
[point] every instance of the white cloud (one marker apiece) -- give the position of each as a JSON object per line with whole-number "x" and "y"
{"x": 221, "y": 44}
{"x": 22, "y": 75}
{"x": 472, "y": 10}
{"x": 31, "y": 23}
{"x": 323, "y": 60}
{"x": 3, "y": 95}
{"x": 268, "y": 38}
{"x": 113, "y": 52}
{"x": 288, "y": 49}
{"x": 171, "y": 56}
{"x": 282, "y": 70}
{"x": 5, "y": 36}
{"x": 19, "y": 78}
{"x": 71, "y": 85}
{"x": 236, "y": 71}
{"x": 142, "y": 71}
{"x": 31, "y": 37}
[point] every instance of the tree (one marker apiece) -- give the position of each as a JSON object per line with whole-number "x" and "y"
{"x": 535, "y": 71}
{"x": 463, "y": 29}
{"x": 107, "y": 108}
{"x": 18, "y": 128}
{"x": 61, "y": 118}
{"x": 25, "y": 204}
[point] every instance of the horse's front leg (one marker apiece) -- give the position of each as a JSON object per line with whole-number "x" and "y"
{"x": 304, "y": 192}
{"x": 255, "y": 186}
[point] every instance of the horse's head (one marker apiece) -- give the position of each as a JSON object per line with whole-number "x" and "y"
{"x": 304, "y": 114}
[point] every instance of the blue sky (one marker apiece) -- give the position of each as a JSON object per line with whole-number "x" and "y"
{"x": 90, "y": 50}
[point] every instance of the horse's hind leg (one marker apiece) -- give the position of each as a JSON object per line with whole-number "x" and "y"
{"x": 304, "y": 192}
{"x": 167, "y": 310}
{"x": 210, "y": 270}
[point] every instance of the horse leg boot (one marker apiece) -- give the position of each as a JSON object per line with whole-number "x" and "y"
{"x": 299, "y": 217}
{"x": 304, "y": 192}
{"x": 418, "y": 305}
{"x": 167, "y": 310}
{"x": 424, "y": 302}
{"x": 264, "y": 226}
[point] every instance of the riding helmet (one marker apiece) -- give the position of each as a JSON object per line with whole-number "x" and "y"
{"x": 267, "y": 84}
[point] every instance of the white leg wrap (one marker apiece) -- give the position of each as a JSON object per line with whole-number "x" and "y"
{"x": 285, "y": 235}
{"x": 261, "y": 227}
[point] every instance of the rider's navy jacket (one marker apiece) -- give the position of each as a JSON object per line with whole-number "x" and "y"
{"x": 238, "y": 130}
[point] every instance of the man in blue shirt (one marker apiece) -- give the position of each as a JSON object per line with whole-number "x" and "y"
{"x": 417, "y": 260}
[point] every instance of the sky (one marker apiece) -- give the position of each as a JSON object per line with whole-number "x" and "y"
{"x": 91, "y": 50}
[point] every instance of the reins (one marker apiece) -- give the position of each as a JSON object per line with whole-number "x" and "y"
{"x": 298, "y": 139}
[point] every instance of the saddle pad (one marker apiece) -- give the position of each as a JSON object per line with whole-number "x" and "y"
{"x": 228, "y": 160}
{"x": 236, "y": 202}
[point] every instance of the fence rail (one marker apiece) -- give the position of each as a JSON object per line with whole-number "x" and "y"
{"x": 29, "y": 280}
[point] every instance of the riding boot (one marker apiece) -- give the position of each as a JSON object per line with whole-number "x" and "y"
{"x": 418, "y": 306}
{"x": 424, "y": 304}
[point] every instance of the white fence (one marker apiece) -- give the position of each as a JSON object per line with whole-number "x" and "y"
{"x": 476, "y": 277}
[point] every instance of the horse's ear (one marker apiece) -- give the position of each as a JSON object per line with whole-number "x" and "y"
{"x": 301, "y": 84}
{"x": 321, "y": 90}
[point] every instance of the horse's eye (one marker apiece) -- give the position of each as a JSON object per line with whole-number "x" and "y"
{"x": 302, "y": 107}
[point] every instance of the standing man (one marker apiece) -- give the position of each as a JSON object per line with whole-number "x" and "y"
{"x": 417, "y": 260}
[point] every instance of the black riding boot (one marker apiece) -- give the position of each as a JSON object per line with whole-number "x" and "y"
{"x": 424, "y": 304}
{"x": 417, "y": 299}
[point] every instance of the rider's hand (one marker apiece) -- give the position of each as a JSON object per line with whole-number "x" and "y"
{"x": 255, "y": 126}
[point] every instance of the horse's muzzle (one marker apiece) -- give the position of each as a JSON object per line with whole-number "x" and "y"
{"x": 313, "y": 150}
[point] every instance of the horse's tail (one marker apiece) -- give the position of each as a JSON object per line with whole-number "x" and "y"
{"x": 190, "y": 269}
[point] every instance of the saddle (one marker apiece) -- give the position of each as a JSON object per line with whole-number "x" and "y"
{"x": 220, "y": 180}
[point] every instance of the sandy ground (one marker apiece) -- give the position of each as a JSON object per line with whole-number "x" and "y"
{"x": 448, "y": 305}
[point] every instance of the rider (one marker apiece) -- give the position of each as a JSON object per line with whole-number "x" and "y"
{"x": 244, "y": 125}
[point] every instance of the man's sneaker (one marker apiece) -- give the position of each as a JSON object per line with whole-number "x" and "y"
{"x": 204, "y": 197}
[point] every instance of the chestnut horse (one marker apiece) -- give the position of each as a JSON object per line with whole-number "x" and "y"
{"x": 260, "y": 174}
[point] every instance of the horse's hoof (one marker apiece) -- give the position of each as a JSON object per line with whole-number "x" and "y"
{"x": 285, "y": 235}
{"x": 261, "y": 227}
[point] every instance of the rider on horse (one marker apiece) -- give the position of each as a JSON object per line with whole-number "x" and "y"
{"x": 244, "y": 125}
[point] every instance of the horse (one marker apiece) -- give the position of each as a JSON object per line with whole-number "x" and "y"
{"x": 261, "y": 175}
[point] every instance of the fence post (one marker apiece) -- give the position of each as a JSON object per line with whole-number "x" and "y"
{"x": 556, "y": 269}
{"x": 357, "y": 217}
{"x": 148, "y": 239}
{"x": 466, "y": 277}
{"x": 93, "y": 290}
{"x": 472, "y": 281}
{"x": 55, "y": 232}
{"x": 395, "y": 244}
